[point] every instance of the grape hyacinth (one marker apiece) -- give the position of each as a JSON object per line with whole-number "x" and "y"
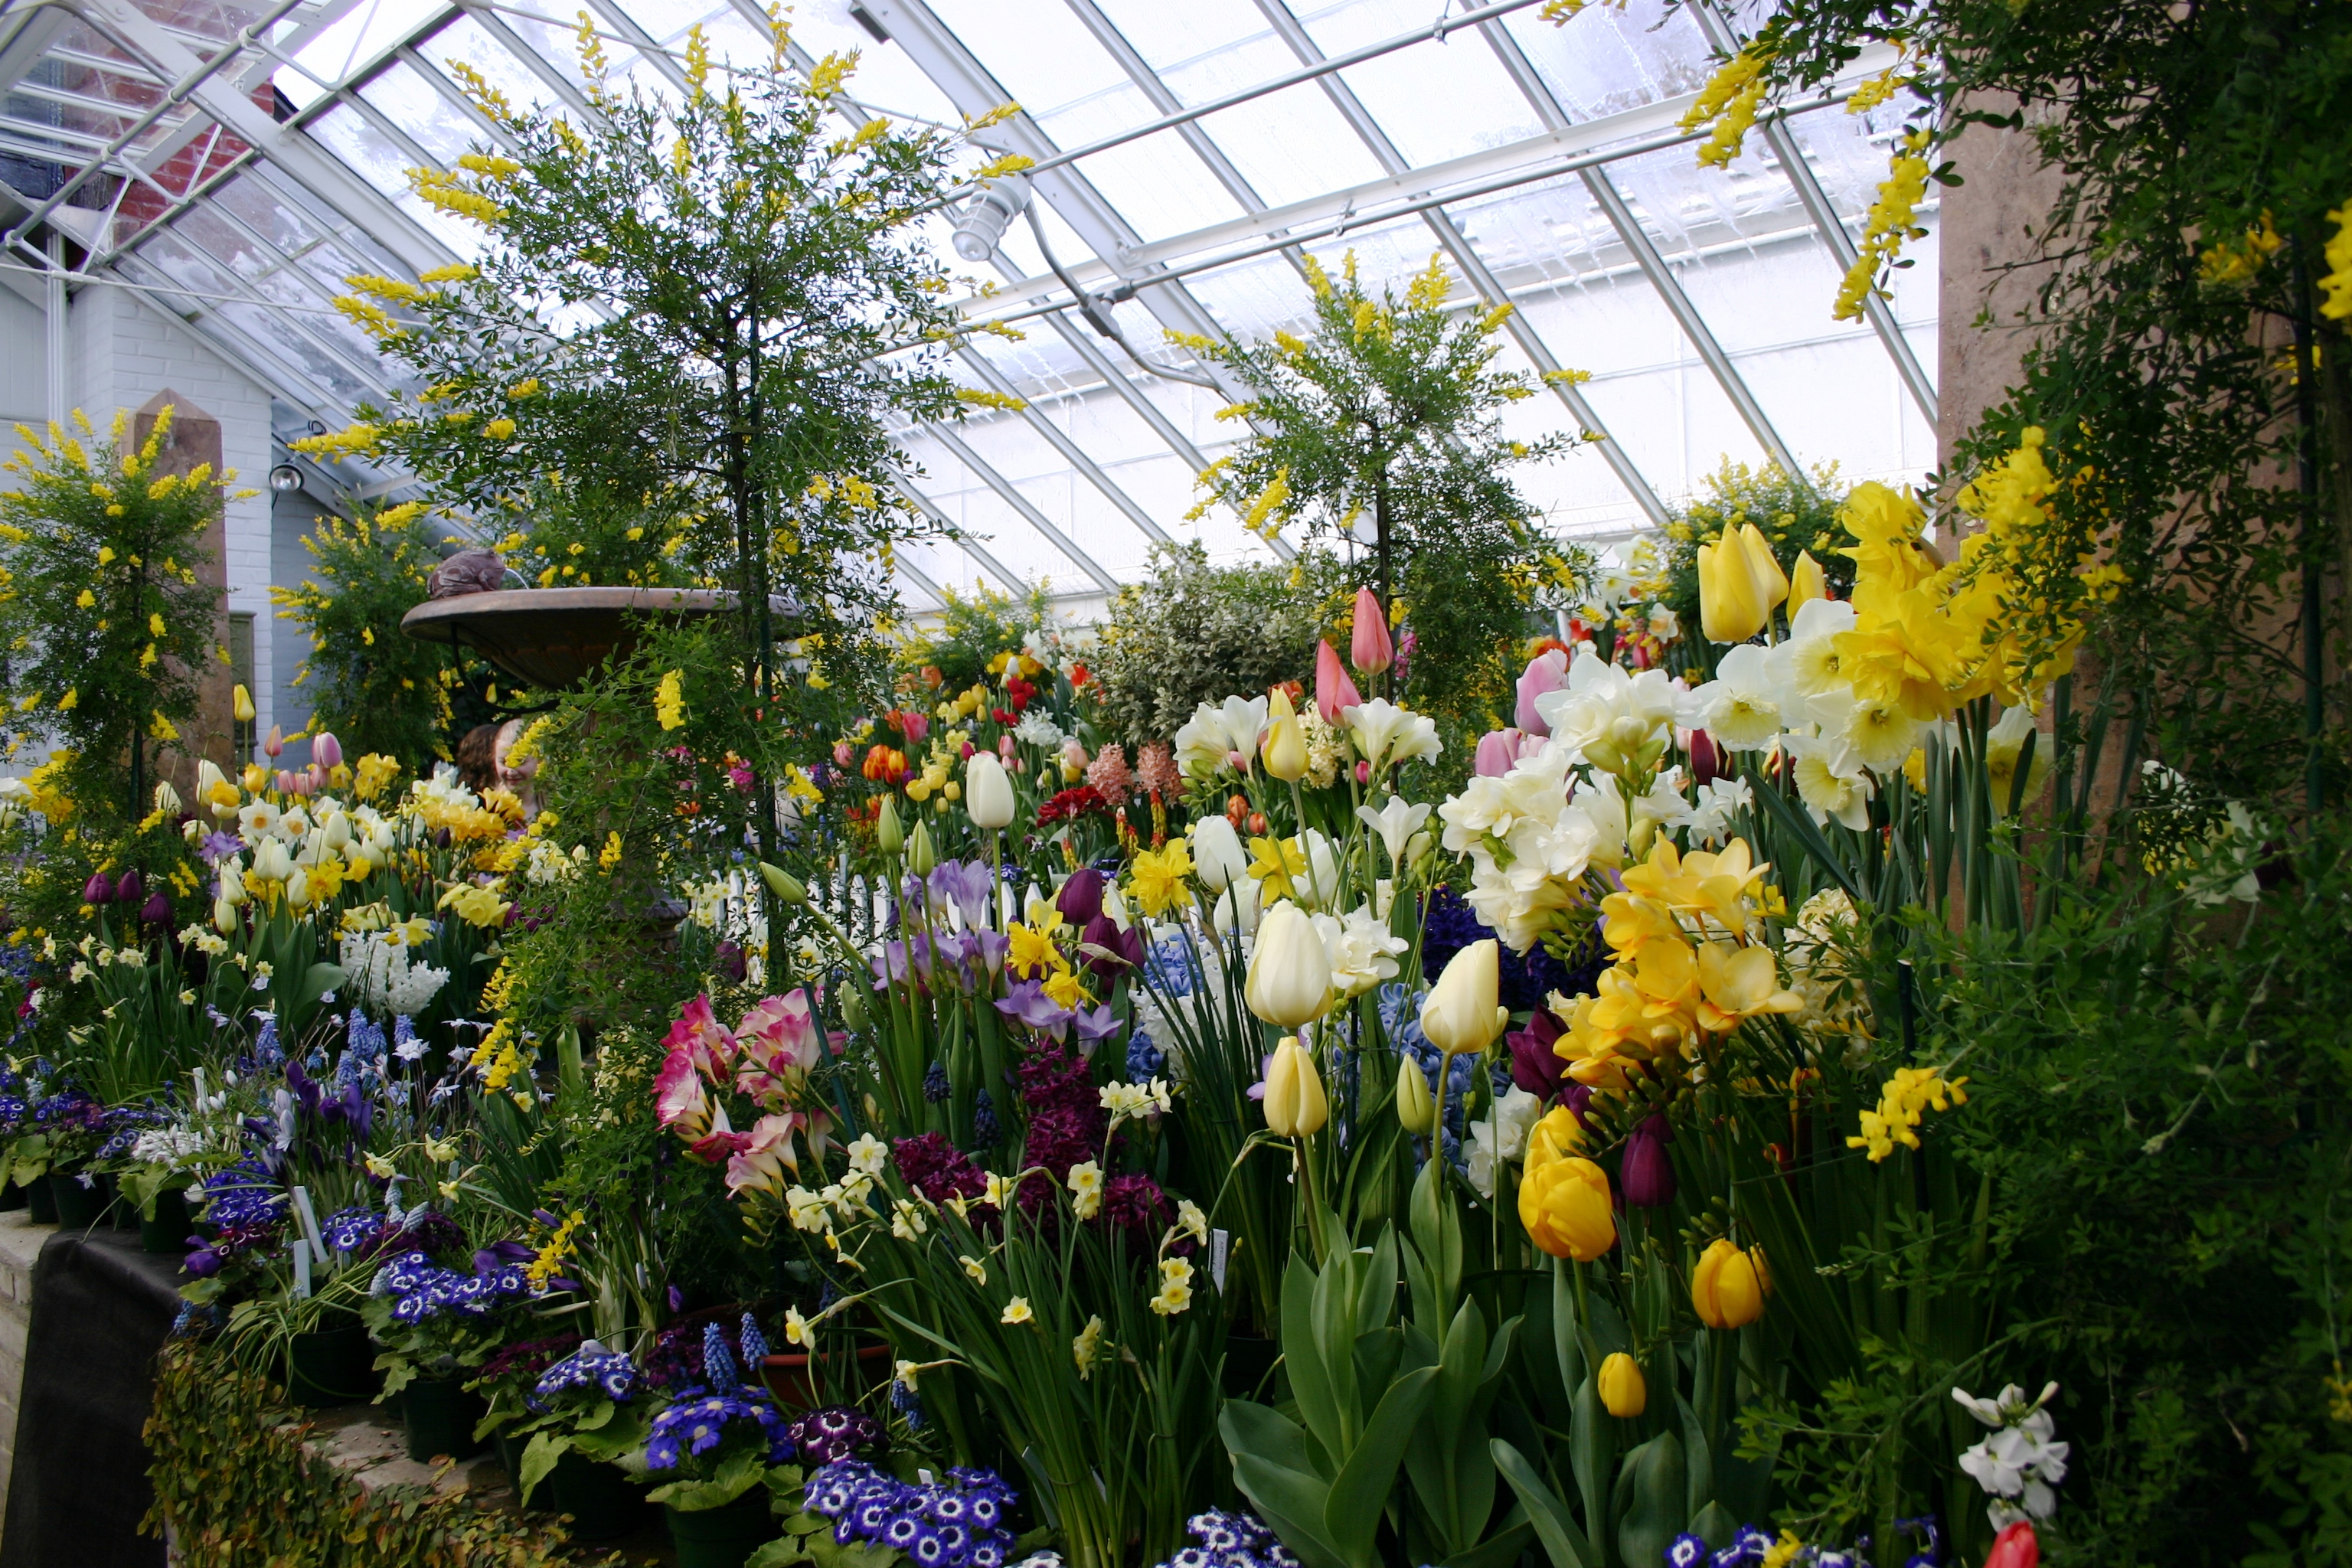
{"x": 1231, "y": 1541}
{"x": 959, "y": 1523}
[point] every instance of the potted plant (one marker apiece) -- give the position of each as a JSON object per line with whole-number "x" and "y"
{"x": 581, "y": 1428}
{"x": 436, "y": 1325}
{"x": 712, "y": 1450}
{"x": 72, "y": 1121}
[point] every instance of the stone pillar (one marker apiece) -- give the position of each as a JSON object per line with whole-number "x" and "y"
{"x": 193, "y": 440}
{"x": 1989, "y": 226}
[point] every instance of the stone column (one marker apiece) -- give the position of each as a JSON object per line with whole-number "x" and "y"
{"x": 195, "y": 439}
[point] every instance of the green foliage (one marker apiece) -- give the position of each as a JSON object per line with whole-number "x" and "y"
{"x": 1193, "y": 633}
{"x": 972, "y": 631}
{"x": 234, "y": 1486}
{"x": 375, "y": 688}
{"x": 106, "y": 625}
{"x": 1384, "y": 428}
{"x": 2201, "y": 155}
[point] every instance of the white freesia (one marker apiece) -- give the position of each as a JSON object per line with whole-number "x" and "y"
{"x": 1206, "y": 741}
{"x": 1037, "y": 728}
{"x": 1500, "y": 1135}
{"x": 1361, "y": 951}
{"x": 1394, "y": 824}
{"x": 1384, "y": 733}
{"x": 1606, "y": 713}
{"x": 2018, "y": 1465}
{"x": 1709, "y": 818}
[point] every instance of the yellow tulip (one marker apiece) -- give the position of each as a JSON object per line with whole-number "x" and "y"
{"x": 1295, "y": 1104}
{"x": 1284, "y": 750}
{"x": 1623, "y": 1391}
{"x": 1463, "y": 1014}
{"x": 1727, "y": 1287}
{"x": 1416, "y": 1108}
{"x": 243, "y": 704}
{"x": 1289, "y": 979}
{"x": 1557, "y": 1137}
{"x": 1564, "y": 1203}
{"x": 1806, "y": 584}
{"x": 1731, "y": 606}
{"x": 1769, "y": 578}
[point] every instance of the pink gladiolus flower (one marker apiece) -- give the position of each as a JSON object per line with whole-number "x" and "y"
{"x": 779, "y": 1041}
{"x": 678, "y": 1100}
{"x": 1370, "y": 650}
{"x": 1333, "y": 689}
{"x": 1547, "y": 673}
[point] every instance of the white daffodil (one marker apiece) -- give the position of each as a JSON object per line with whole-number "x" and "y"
{"x": 1878, "y": 734}
{"x": 1830, "y": 782}
{"x": 1742, "y": 703}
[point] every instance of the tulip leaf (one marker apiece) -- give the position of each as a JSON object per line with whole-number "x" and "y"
{"x": 1352, "y": 1514}
{"x": 1654, "y": 1505}
{"x": 1592, "y": 1452}
{"x": 1554, "y": 1525}
{"x": 1302, "y": 1356}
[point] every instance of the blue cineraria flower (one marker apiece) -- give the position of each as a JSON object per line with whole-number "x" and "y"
{"x": 699, "y": 1421}
{"x": 1931, "y": 1535}
{"x": 348, "y": 1230}
{"x": 1687, "y": 1551}
{"x": 1746, "y": 1549}
{"x": 954, "y": 1524}
{"x": 592, "y": 1367}
{"x": 1227, "y": 1540}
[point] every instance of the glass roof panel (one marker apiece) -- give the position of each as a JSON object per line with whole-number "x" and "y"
{"x": 466, "y": 42}
{"x": 426, "y": 118}
{"x": 357, "y": 39}
{"x": 1433, "y": 101}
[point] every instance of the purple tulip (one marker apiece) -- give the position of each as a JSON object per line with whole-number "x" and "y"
{"x": 1081, "y": 897}
{"x": 1120, "y": 950}
{"x": 1647, "y": 1172}
{"x": 157, "y": 910}
{"x": 730, "y": 963}
{"x": 131, "y": 889}
{"x": 1536, "y": 1067}
{"x": 98, "y": 890}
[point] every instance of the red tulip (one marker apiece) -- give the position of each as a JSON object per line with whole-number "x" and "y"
{"x": 1370, "y": 650}
{"x": 2015, "y": 1547}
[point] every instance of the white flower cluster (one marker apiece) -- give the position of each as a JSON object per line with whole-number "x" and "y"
{"x": 379, "y": 966}
{"x": 1796, "y": 695}
{"x": 171, "y": 1147}
{"x": 2019, "y": 1463}
{"x": 547, "y": 864}
{"x": 1037, "y": 728}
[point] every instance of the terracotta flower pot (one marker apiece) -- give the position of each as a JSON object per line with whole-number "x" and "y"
{"x": 795, "y": 1386}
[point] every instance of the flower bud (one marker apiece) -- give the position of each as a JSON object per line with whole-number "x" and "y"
{"x": 297, "y": 889}
{"x": 1647, "y": 1172}
{"x": 1368, "y": 648}
{"x": 1284, "y": 750}
{"x": 336, "y": 833}
{"x": 920, "y": 854}
{"x": 988, "y": 793}
{"x": 785, "y": 886}
{"x": 1769, "y": 578}
{"x": 1081, "y": 897}
{"x": 1295, "y": 1105}
{"x": 276, "y": 743}
{"x": 271, "y": 861}
{"x": 1217, "y": 858}
{"x": 241, "y": 703}
{"x": 1564, "y": 1203}
{"x": 1289, "y": 975}
{"x": 98, "y": 890}
{"x": 1416, "y": 1106}
{"x": 224, "y": 917}
{"x": 852, "y": 1006}
{"x": 1727, "y": 1286}
{"x": 1334, "y": 692}
{"x": 1462, "y": 1014}
{"x": 131, "y": 889}
{"x": 1806, "y": 583}
{"x": 156, "y": 911}
{"x": 888, "y": 836}
{"x": 1731, "y": 606}
{"x": 1624, "y": 1394}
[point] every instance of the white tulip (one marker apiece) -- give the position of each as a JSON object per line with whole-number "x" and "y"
{"x": 1217, "y": 856}
{"x": 987, "y": 791}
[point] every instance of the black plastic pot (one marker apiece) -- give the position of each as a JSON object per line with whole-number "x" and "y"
{"x": 13, "y": 1197}
{"x": 332, "y": 1366}
{"x": 440, "y": 1414}
{"x": 168, "y": 1231}
{"x": 604, "y": 1503}
{"x": 41, "y": 1199}
{"x": 721, "y": 1537}
{"x": 79, "y": 1207}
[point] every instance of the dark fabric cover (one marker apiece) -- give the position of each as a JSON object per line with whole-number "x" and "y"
{"x": 101, "y": 1309}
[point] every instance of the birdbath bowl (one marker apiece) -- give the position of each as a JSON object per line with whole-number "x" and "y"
{"x": 550, "y": 637}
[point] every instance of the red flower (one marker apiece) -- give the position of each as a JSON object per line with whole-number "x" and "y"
{"x": 1072, "y": 803}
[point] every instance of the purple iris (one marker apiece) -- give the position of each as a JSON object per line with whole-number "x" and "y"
{"x": 1095, "y": 1027}
{"x": 964, "y": 884}
{"x": 1026, "y": 1003}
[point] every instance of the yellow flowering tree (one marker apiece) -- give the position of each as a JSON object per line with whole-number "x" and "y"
{"x": 1385, "y": 429}
{"x": 107, "y": 626}
{"x": 375, "y": 688}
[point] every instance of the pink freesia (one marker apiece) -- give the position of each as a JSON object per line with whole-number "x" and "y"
{"x": 722, "y": 1140}
{"x": 1370, "y": 650}
{"x": 678, "y": 1100}
{"x": 780, "y": 1042}
{"x": 1546, "y": 673}
{"x": 706, "y": 1041}
{"x": 765, "y": 1155}
{"x": 1333, "y": 689}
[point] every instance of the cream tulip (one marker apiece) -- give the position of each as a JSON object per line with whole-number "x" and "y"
{"x": 1463, "y": 1014}
{"x": 224, "y": 917}
{"x": 988, "y": 793}
{"x": 1295, "y": 1103}
{"x": 1289, "y": 975}
{"x": 1217, "y": 856}
{"x": 271, "y": 861}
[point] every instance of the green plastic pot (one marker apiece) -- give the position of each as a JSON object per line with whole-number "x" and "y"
{"x": 440, "y": 1414}
{"x": 168, "y": 1231}
{"x": 604, "y": 1503}
{"x": 332, "y": 1366}
{"x": 79, "y": 1208}
{"x": 721, "y": 1537}
{"x": 41, "y": 1200}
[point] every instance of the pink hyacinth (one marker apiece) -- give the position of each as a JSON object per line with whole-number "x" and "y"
{"x": 1155, "y": 769}
{"x": 1110, "y": 776}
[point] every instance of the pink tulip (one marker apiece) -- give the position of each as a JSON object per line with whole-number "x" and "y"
{"x": 1333, "y": 691}
{"x": 1004, "y": 747}
{"x": 1546, "y": 673}
{"x": 1497, "y": 750}
{"x": 326, "y": 751}
{"x": 1363, "y": 773}
{"x": 915, "y": 725}
{"x": 276, "y": 743}
{"x": 285, "y": 782}
{"x": 1370, "y": 650}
